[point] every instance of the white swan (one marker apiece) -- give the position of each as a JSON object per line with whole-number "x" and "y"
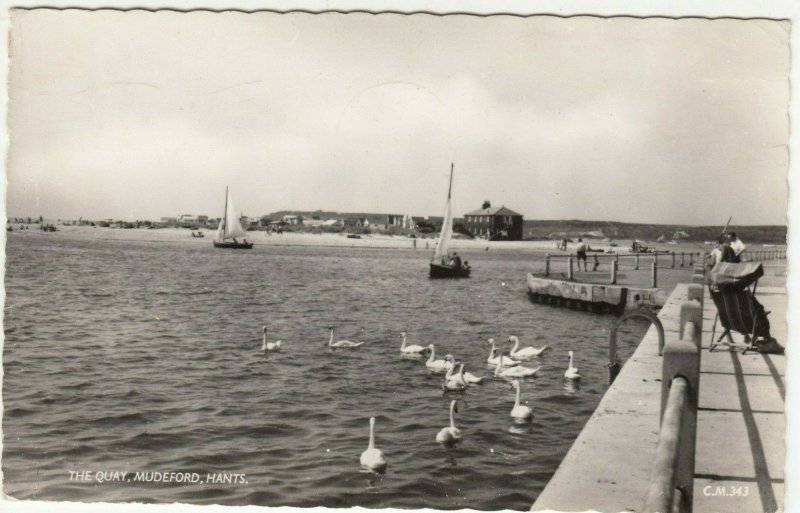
{"x": 372, "y": 458}
{"x": 341, "y": 343}
{"x": 467, "y": 377}
{"x": 525, "y": 352}
{"x": 515, "y": 372}
{"x": 450, "y": 434}
{"x": 269, "y": 346}
{"x": 493, "y": 361}
{"x": 520, "y": 411}
{"x": 455, "y": 382}
{"x": 412, "y": 350}
{"x": 572, "y": 371}
{"x": 439, "y": 365}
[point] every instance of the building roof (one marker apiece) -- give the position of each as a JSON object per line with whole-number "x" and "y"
{"x": 493, "y": 211}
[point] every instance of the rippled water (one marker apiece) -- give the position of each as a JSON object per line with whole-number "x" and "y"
{"x": 135, "y": 356}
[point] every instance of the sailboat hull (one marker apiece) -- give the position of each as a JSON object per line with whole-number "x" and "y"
{"x": 446, "y": 271}
{"x": 233, "y": 245}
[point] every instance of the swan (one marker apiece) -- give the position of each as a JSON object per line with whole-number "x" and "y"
{"x": 269, "y": 346}
{"x": 450, "y": 434}
{"x": 341, "y": 343}
{"x": 493, "y": 361}
{"x": 515, "y": 372}
{"x": 572, "y": 371}
{"x": 372, "y": 458}
{"x": 464, "y": 377}
{"x": 439, "y": 365}
{"x": 520, "y": 411}
{"x": 412, "y": 350}
{"x": 525, "y": 352}
{"x": 455, "y": 382}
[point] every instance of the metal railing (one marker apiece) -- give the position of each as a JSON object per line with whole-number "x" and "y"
{"x": 617, "y": 261}
{"x": 662, "y": 259}
{"x": 760, "y": 255}
{"x": 614, "y": 361}
{"x": 671, "y": 482}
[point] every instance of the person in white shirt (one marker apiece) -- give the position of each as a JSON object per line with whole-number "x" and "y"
{"x": 737, "y": 246}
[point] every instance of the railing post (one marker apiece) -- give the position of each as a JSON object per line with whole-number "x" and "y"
{"x": 696, "y": 292}
{"x": 683, "y": 359}
{"x": 613, "y": 272}
{"x": 673, "y": 472}
{"x": 683, "y": 259}
{"x": 654, "y": 275}
{"x": 569, "y": 271}
{"x": 637, "y": 261}
{"x": 691, "y": 311}
{"x": 547, "y": 265}
{"x": 691, "y": 258}
{"x": 673, "y": 260}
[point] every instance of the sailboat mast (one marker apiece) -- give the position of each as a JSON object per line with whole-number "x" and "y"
{"x": 450, "y": 188}
{"x": 225, "y": 228}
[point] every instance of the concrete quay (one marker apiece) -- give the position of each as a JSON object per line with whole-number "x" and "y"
{"x": 740, "y": 426}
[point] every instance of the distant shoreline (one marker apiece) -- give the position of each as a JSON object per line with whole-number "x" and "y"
{"x": 366, "y": 241}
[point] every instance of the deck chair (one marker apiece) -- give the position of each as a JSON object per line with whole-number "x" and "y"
{"x": 733, "y": 289}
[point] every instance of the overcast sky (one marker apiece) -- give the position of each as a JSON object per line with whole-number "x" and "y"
{"x": 142, "y": 115}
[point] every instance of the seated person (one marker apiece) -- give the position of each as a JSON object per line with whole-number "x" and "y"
{"x": 456, "y": 261}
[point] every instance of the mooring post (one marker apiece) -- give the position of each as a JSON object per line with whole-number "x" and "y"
{"x": 569, "y": 271}
{"x": 614, "y": 265}
{"x": 654, "y": 274}
{"x": 547, "y": 265}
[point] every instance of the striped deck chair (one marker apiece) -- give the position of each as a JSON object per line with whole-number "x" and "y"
{"x": 733, "y": 289}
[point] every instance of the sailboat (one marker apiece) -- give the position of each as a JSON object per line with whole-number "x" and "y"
{"x": 442, "y": 265}
{"x": 230, "y": 228}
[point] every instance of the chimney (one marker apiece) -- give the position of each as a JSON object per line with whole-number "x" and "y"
{"x": 486, "y": 204}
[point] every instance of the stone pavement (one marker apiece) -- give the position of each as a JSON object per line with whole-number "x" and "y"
{"x": 741, "y": 421}
{"x": 740, "y": 435}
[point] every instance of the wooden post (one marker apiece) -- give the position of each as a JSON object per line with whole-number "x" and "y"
{"x": 673, "y": 260}
{"x": 614, "y": 265}
{"x": 691, "y": 258}
{"x": 547, "y": 265}
{"x": 682, "y": 258}
{"x": 654, "y": 283}
{"x": 569, "y": 272}
{"x": 637, "y": 261}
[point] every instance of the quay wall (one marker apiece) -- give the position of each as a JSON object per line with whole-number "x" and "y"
{"x": 608, "y": 467}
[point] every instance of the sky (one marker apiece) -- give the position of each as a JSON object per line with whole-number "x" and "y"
{"x": 139, "y": 115}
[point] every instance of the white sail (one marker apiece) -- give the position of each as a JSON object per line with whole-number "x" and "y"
{"x": 447, "y": 230}
{"x": 233, "y": 228}
{"x": 220, "y": 231}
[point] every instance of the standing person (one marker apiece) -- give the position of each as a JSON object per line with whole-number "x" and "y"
{"x": 582, "y": 249}
{"x": 737, "y": 246}
{"x": 415, "y": 243}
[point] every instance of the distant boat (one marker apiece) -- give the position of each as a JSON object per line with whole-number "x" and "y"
{"x": 230, "y": 228}
{"x": 442, "y": 265}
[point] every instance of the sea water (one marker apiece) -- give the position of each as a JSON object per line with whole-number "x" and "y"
{"x": 133, "y": 372}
